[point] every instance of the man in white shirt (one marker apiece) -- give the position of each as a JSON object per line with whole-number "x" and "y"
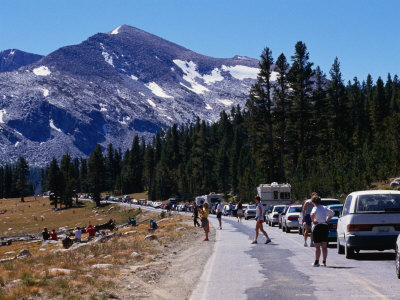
{"x": 320, "y": 216}
{"x": 220, "y": 208}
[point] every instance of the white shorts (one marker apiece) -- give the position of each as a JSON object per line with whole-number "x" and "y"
{"x": 240, "y": 212}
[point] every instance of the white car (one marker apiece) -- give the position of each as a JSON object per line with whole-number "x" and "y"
{"x": 369, "y": 221}
{"x": 272, "y": 217}
{"x": 291, "y": 218}
{"x": 250, "y": 212}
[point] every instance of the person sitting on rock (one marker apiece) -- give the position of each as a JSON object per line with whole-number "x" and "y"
{"x": 78, "y": 234}
{"x": 45, "y": 234}
{"x": 153, "y": 225}
{"x": 132, "y": 222}
{"x": 91, "y": 231}
{"x": 53, "y": 235}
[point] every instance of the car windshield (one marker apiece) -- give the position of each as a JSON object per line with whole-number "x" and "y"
{"x": 336, "y": 209}
{"x": 295, "y": 209}
{"x": 379, "y": 203}
{"x": 278, "y": 209}
{"x": 252, "y": 207}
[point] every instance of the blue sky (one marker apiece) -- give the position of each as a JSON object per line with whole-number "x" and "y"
{"x": 362, "y": 34}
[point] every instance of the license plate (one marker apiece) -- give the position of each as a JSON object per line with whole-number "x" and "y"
{"x": 384, "y": 229}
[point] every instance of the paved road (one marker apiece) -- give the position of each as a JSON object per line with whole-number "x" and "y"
{"x": 282, "y": 269}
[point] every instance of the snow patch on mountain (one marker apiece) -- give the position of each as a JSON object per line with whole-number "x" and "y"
{"x": 108, "y": 58}
{"x": 208, "y": 106}
{"x": 157, "y": 90}
{"x": 225, "y": 102}
{"x": 103, "y": 107}
{"x": 2, "y": 113}
{"x": 51, "y": 123}
{"x": 46, "y": 92}
{"x": 241, "y": 72}
{"x": 189, "y": 68}
{"x": 115, "y": 31}
{"x": 41, "y": 71}
{"x": 151, "y": 103}
{"x": 214, "y": 77}
{"x": 134, "y": 77}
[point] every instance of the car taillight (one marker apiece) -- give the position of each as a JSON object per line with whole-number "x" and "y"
{"x": 359, "y": 227}
{"x": 291, "y": 218}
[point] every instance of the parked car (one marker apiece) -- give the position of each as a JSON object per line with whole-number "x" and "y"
{"x": 281, "y": 215}
{"x": 332, "y": 224}
{"x": 369, "y": 221}
{"x": 157, "y": 204}
{"x": 274, "y": 214}
{"x": 291, "y": 218}
{"x": 398, "y": 256}
{"x": 250, "y": 212}
{"x": 226, "y": 210}
{"x": 324, "y": 201}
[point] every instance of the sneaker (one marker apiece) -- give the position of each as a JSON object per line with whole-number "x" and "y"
{"x": 312, "y": 244}
{"x": 315, "y": 264}
{"x": 305, "y": 244}
{"x": 205, "y": 240}
{"x": 254, "y": 242}
{"x": 323, "y": 264}
{"x": 268, "y": 241}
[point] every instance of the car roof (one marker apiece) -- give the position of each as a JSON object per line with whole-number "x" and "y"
{"x": 374, "y": 192}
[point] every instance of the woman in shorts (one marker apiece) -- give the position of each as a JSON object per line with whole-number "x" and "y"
{"x": 260, "y": 221}
{"x": 204, "y": 220}
{"x": 320, "y": 216}
{"x": 239, "y": 211}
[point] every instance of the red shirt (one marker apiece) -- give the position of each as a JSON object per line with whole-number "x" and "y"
{"x": 91, "y": 231}
{"x": 53, "y": 236}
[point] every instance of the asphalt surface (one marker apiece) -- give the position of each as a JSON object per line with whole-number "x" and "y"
{"x": 282, "y": 269}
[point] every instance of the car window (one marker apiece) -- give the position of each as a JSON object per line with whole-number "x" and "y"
{"x": 347, "y": 204}
{"x": 378, "y": 203}
{"x": 295, "y": 209}
{"x": 252, "y": 207}
{"x": 336, "y": 209}
{"x": 278, "y": 209}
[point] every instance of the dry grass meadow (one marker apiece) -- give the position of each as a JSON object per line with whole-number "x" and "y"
{"x": 56, "y": 273}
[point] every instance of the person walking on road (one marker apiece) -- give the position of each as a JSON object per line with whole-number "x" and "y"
{"x": 220, "y": 208}
{"x": 204, "y": 220}
{"x": 195, "y": 215}
{"x": 239, "y": 211}
{"x": 306, "y": 212}
{"x": 260, "y": 221}
{"x": 320, "y": 216}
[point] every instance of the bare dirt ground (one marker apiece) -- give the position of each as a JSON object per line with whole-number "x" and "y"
{"x": 174, "y": 272}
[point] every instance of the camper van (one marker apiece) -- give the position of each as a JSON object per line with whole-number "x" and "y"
{"x": 274, "y": 193}
{"x": 212, "y": 199}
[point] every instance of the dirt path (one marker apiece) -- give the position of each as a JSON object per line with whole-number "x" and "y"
{"x": 173, "y": 274}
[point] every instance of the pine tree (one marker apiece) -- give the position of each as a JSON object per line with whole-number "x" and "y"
{"x": 22, "y": 171}
{"x": 54, "y": 182}
{"x": 96, "y": 174}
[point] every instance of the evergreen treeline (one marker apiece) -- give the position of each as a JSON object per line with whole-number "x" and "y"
{"x": 14, "y": 180}
{"x": 299, "y": 125}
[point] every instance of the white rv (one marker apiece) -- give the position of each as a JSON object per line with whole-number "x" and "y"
{"x": 274, "y": 193}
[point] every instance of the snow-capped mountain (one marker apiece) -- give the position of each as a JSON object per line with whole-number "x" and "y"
{"x": 13, "y": 59}
{"x": 110, "y": 87}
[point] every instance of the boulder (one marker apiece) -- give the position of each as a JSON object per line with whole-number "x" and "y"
{"x": 135, "y": 254}
{"x": 102, "y": 266}
{"x": 24, "y": 252}
{"x": 150, "y": 237}
{"x": 59, "y": 271}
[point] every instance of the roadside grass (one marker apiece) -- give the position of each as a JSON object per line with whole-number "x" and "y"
{"x": 36, "y": 212}
{"x": 34, "y": 277}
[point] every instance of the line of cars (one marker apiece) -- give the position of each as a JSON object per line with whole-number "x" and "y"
{"x": 368, "y": 220}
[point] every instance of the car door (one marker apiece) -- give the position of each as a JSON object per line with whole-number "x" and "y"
{"x": 344, "y": 218}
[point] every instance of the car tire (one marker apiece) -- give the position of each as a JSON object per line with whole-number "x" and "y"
{"x": 272, "y": 224}
{"x": 280, "y": 225}
{"x": 398, "y": 262}
{"x": 348, "y": 251}
{"x": 300, "y": 230}
{"x": 340, "y": 249}
{"x": 287, "y": 229}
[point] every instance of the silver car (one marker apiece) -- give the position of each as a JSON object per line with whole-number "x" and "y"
{"x": 250, "y": 212}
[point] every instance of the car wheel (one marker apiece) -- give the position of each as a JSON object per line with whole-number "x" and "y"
{"x": 287, "y": 229}
{"x": 398, "y": 262}
{"x": 280, "y": 225}
{"x": 272, "y": 224}
{"x": 340, "y": 249}
{"x": 348, "y": 251}
{"x": 300, "y": 230}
